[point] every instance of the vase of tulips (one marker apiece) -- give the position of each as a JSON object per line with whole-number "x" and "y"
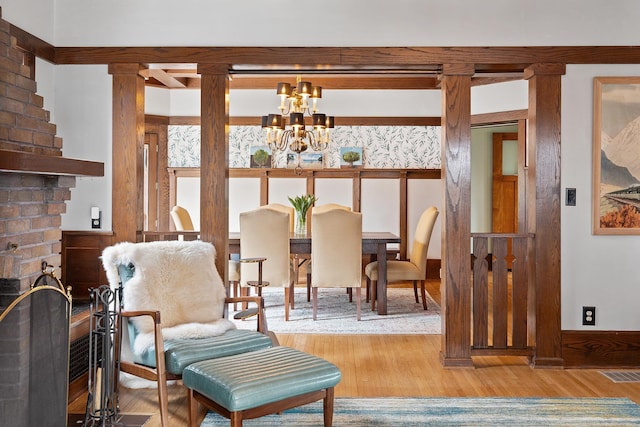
{"x": 301, "y": 204}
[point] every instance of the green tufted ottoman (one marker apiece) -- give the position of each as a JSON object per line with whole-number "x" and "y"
{"x": 258, "y": 383}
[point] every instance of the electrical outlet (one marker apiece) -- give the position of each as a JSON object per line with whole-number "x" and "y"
{"x": 589, "y": 316}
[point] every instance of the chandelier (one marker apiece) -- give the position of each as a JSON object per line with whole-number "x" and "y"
{"x": 298, "y": 102}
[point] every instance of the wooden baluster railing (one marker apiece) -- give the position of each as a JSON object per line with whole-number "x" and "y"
{"x": 519, "y": 291}
{"x": 500, "y": 292}
{"x": 480, "y": 292}
{"x": 508, "y": 328}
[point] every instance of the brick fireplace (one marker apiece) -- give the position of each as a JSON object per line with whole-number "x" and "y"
{"x": 35, "y": 182}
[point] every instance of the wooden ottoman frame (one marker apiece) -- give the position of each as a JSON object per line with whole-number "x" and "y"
{"x": 236, "y": 417}
{"x": 259, "y": 383}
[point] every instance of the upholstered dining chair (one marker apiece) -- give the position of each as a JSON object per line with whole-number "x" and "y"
{"x": 336, "y": 252}
{"x": 328, "y": 206}
{"x": 415, "y": 268}
{"x": 182, "y": 221}
{"x": 283, "y": 208}
{"x": 171, "y": 311}
{"x": 317, "y": 209}
{"x": 264, "y": 233}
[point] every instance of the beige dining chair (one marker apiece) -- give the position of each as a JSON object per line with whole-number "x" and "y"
{"x": 264, "y": 233}
{"x": 415, "y": 268}
{"x": 283, "y": 208}
{"x": 182, "y": 221}
{"x": 328, "y": 206}
{"x": 297, "y": 260}
{"x": 318, "y": 209}
{"x": 336, "y": 252}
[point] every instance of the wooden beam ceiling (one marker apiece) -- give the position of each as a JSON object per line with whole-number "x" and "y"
{"x": 395, "y": 68}
{"x": 189, "y": 79}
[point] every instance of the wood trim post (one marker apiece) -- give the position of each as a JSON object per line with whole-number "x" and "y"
{"x": 523, "y": 168}
{"x": 356, "y": 195}
{"x": 127, "y": 151}
{"x": 544, "y": 214}
{"x": 214, "y": 161}
{"x": 264, "y": 188}
{"x": 160, "y": 127}
{"x": 404, "y": 221}
{"x": 456, "y": 216}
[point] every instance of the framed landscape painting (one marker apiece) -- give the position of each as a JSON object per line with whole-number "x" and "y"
{"x": 350, "y": 157}
{"x": 307, "y": 159}
{"x": 260, "y": 156}
{"x": 616, "y": 155}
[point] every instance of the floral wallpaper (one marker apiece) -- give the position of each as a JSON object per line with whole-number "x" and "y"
{"x": 393, "y": 147}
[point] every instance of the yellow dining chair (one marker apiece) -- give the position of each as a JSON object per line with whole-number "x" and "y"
{"x": 182, "y": 221}
{"x": 264, "y": 233}
{"x": 336, "y": 252}
{"x": 415, "y": 268}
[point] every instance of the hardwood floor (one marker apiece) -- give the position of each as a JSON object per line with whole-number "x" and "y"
{"x": 406, "y": 366}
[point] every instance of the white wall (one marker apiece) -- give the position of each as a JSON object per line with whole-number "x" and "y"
{"x": 600, "y": 271}
{"x": 339, "y": 23}
{"x": 34, "y": 16}
{"x": 82, "y": 114}
{"x": 336, "y": 23}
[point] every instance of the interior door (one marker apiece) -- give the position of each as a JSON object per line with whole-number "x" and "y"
{"x": 504, "y": 201}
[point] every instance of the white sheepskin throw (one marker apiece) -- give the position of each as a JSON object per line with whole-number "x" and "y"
{"x": 177, "y": 278}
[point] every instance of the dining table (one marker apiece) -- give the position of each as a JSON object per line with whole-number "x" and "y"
{"x": 373, "y": 243}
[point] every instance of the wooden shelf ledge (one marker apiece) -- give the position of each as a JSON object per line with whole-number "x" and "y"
{"x": 23, "y": 162}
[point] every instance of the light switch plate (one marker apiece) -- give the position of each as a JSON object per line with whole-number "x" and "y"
{"x": 570, "y": 197}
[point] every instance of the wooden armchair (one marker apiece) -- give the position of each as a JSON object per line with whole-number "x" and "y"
{"x": 172, "y": 311}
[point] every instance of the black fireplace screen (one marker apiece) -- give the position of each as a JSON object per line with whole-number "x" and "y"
{"x": 34, "y": 358}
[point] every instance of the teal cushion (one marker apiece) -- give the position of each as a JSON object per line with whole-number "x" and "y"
{"x": 181, "y": 353}
{"x": 253, "y": 379}
{"x": 126, "y": 272}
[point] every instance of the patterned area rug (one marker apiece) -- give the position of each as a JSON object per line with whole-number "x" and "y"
{"x": 455, "y": 412}
{"x": 336, "y": 315}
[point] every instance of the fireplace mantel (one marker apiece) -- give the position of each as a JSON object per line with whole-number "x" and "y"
{"x": 32, "y": 163}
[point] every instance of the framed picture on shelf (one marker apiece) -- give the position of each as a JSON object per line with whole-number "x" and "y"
{"x": 260, "y": 156}
{"x": 308, "y": 160}
{"x": 616, "y": 155}
{"x": 350, "y": 157}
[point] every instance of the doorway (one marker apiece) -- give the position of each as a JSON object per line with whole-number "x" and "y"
{"x": 504, "y": 184}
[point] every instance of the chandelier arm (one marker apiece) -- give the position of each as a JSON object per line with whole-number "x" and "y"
{"x": 316, "y": 142}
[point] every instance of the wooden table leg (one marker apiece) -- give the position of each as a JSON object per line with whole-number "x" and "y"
{"x": 382, "y": 278}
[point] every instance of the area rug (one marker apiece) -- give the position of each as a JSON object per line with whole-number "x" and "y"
{"x": 128, "y": 420}
{"x": 455, "y": 412}
{"x": 336, "y": 315}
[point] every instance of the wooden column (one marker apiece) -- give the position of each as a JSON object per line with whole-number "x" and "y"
{"x": 214, "y": 161}
{"x": 456, "y": 215}
{"x": 127, "y": 151}
{"x": 544, "y": 208}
